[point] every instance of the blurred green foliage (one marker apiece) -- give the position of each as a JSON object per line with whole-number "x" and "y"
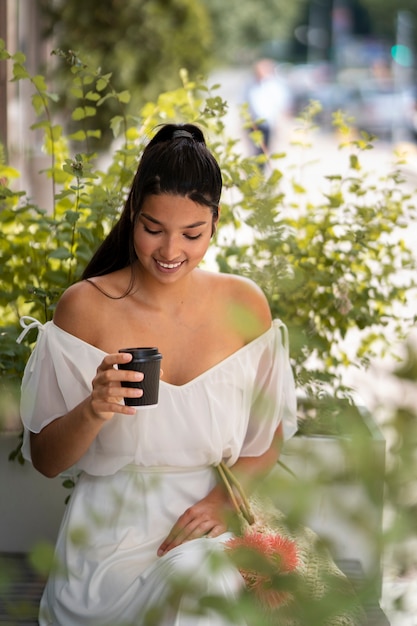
{"x": 244, "y": 30}
{"x": 336, "y": 267}
{"x": 140, "y": 44}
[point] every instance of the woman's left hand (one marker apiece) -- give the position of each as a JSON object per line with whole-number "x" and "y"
{"x": 206, "y": 518}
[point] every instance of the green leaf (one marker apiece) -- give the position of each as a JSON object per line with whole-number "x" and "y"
{"x": 19, "y": 58}
{"x": 38, "y": 103}
{"x": 103, "y": 82}
{"x": 115, "y": 124}
{"x": 80, "y": 135}
{"x": 124, "y": 97}
{"x": 39, "y": 82}
{"x": 20, "y": 72}
{"x": 354, "y": 162}
{"x": 52, "y": 96}
{"x": 7, "y": 172}
{"x": 41, "y": 557}
{"x": 94, "y": 133}
{"x": 298, "y": 188}
{"x": 60, "y": 253}
{"x": 81, "y": 113}
{"x": 68, "y": 483}
{"x": 92, "y": 95}
{"x": 72, "y": 217}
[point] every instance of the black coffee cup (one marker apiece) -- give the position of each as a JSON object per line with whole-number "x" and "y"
{"x": 148, "y": 361}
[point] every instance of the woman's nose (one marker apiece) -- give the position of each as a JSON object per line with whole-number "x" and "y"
{"x": 169, "y": 249}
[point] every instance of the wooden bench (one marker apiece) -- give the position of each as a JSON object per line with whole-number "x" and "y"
{"x": 21, "y": 590}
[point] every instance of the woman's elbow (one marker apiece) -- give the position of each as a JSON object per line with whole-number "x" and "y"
{"x": 40, "y": 459}
{"x": 43, "y": 467}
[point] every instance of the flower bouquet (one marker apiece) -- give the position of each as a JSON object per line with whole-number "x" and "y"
{"x": 261, "y": 554}
{"x": 288, "y": 570}
{"x": 262, "y": 557}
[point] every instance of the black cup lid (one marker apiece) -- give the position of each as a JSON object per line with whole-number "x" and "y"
{"x": 143, "y": 353}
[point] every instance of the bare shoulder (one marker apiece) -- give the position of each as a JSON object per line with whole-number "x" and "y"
{"x": 246, "y": 304}
{"x": 76, "y": 310}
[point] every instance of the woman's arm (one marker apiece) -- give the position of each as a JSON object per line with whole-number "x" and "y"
{"x": 249, "y": 470}
{"x": 64, "y": 441}
{"x": 208, "y": 517}
{"x": 61, "y": 443}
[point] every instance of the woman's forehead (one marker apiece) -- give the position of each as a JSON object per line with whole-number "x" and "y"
{"x": 172, "y": 208}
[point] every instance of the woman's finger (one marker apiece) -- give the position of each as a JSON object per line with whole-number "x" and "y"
{"x": 195, "y": 530}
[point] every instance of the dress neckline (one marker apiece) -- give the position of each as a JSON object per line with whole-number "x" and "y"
{"x": 238, "y": 352}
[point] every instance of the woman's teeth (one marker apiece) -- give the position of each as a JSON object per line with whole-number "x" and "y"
{"x": 169, "y": 266}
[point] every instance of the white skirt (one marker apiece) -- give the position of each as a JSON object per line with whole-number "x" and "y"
{"x": 107, "y": 571}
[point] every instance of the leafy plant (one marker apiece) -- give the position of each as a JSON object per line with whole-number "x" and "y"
{"x": 329, "y": 267}
{"x": 43, "y": 252}
{"x": 335, "y": 268}
{"x": 141, "y": 44}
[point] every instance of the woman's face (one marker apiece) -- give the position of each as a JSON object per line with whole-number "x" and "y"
{"x": 171, "y": 236}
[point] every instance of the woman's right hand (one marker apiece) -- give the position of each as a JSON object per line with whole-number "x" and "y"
{"x": 107, "y": 394}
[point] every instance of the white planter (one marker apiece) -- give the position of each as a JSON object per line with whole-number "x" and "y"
{"x": 342, "y": 478}
{"x": 31, "y": 505}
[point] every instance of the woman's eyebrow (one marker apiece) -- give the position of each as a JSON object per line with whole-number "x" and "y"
{"x": 154, "y": 221}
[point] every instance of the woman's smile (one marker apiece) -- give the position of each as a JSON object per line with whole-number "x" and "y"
{"x": 168, "y": 267}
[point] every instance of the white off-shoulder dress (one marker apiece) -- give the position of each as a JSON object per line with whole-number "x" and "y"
{"x": 143, "y": 471}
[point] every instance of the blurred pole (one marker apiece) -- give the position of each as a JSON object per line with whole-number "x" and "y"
{"x": 342, "y": 27}
{"x": 3, "y": 76}
{"x": 403, "y": 52}
{"x": 403, "y": 60}
{"x": 317, "y": 31}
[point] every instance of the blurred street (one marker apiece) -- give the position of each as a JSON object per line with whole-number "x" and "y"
{"x": 233, "y": 83}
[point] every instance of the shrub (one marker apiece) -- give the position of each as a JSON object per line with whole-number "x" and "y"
{"x": 328, "y": 267}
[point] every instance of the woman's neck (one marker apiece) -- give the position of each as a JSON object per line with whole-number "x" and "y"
{"x": 164, "y": 296}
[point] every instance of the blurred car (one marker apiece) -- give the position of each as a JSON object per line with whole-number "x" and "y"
{"x": 378, "y": 109}
{"x": 381, "y": 110}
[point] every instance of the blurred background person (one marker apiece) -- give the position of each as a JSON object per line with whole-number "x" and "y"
{"x": 268, "y": 100}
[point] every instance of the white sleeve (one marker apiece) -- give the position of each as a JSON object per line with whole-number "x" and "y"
{"x": 274, "y": 397}
{"x": 47, "y": 374}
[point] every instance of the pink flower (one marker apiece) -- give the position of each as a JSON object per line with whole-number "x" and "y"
{"x": 277, "y": 551}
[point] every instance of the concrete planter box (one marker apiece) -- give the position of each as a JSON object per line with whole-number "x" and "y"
{"x": 31, "y": 505}
{"x": 342, "y": 477}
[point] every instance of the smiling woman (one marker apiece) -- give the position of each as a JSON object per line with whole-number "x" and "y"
{"x": 147, "y": 515}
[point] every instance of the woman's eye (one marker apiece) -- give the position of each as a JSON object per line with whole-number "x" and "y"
{"x": 192, "y": 237}
{"x": 151, "y": 232}
{"x": 158, "y": 232}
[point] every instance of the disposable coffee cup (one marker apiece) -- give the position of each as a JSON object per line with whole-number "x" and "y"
{"x": 148, "y": 361}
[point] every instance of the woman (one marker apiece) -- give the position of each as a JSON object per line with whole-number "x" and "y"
{"x": 147, "y": 512}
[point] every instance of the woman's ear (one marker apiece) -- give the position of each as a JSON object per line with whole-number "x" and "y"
{"x": 215, "y": 222}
